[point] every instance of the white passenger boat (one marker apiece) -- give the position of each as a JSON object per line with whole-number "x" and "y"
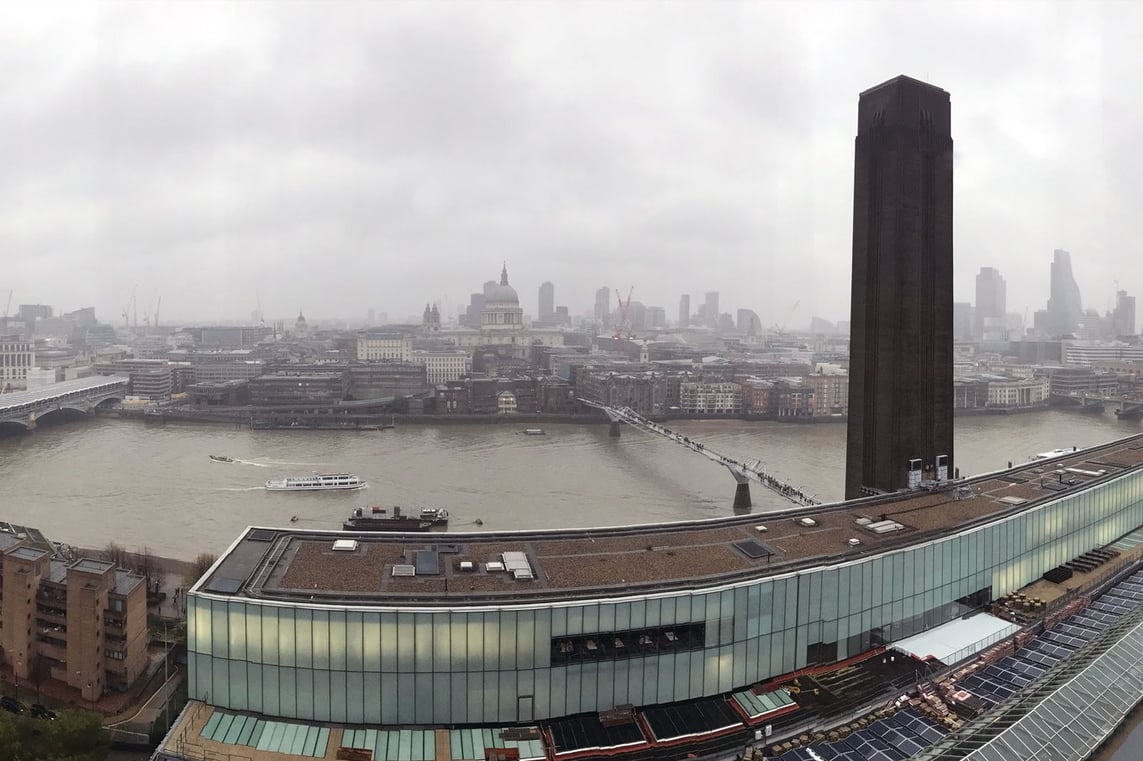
{"x": 316, "y": 482}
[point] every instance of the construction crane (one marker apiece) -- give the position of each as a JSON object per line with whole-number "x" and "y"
{"x": 149, "y": 309}
{"x": 623, "y": 326}
{"x": 128, "y": 309}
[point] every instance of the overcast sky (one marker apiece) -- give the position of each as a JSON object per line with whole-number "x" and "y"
{"x": 335, "y": 157}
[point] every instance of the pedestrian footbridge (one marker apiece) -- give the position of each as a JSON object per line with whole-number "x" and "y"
{"x": 85, "y": 395}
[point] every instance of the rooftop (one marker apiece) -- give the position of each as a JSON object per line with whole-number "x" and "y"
{"x": 454, "y": 568}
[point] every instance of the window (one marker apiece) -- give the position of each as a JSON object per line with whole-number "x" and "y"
{"x": 632, "y": 643}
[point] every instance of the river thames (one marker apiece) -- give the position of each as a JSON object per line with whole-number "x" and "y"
{"x": 89, "y": 482}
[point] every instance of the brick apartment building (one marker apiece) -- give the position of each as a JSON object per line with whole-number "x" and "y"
{"x": 83, "y": 623}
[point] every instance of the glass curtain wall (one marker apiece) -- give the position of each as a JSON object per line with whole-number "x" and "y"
{"x": 472, "y": 665}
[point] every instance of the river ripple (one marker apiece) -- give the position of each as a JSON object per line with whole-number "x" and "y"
{"x": 93, "y": 481}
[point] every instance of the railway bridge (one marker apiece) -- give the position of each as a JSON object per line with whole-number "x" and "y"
{"x": 84, "y": 395}
{"x": 1126, "y": 408}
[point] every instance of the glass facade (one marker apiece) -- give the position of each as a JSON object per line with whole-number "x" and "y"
{"x": 455, "y": 665}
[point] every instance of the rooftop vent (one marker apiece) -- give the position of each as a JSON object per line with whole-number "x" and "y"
{"x": 863, "y": 521}
{"x": 345, "y": 545}
{"x": 807, "y": 522}
{"x": 761, "y": 529}
{"x": 884, "y": 527}
{"x": 467, "y": 566}
{"x": 404, "y": 569}
{"x": 1013, "y": 500}
{"x": 516, "y": 563}
{"x": 494, "y": 566}
{"x": 853, "y": 542}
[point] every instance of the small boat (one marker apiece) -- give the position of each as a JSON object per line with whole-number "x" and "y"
{"x": 534, "y": 432}
{"x": 220, "y": 458}
{"x": 316, "y": 482}
{"x": 379, "y": 519}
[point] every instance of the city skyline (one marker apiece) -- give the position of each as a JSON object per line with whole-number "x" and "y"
{"x": 195, "y": 159}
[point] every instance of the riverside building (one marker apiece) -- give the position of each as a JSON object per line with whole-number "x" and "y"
{"x": 81, "y": 622}
{"x": 531, "y": 626}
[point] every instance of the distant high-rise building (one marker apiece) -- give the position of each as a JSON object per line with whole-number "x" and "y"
{"x": 603, "y": 307}
{"x": 901, "y": 347}
{"x": 684, "y": 310}
{"x": 29, "y": 313}
{"x": 711, "y": 310}
{"x": 991, "y": 305}
{"x": 547, "y": 302}
{"x": 748, "y": 323}
{"x": 1123, "y": 318}
{"x": 656, "y": 318}
{"x": 725, "y": 323}
{"x": 963, "y": 321}
{"x": 1065, "y": 308}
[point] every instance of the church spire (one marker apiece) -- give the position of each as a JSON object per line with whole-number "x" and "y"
{"x": 504, "y": 274}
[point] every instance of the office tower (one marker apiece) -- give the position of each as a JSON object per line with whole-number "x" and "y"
{"x": 547, "y": 302}
{"x": 684, "y": 310}
{"x": 963, "y": 321}
{"x": 991, "y": 306}
{"x": 1123, "y": 318}
{"x": 749, "y": 324}
{"x": 900, "y": 390}
{"x": 711, "y": 310}
{"x": 603, "y": 307}
{"x": 1064, "y": 305}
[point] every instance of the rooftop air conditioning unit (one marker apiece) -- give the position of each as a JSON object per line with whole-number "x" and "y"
{"x": 807, "y": 522}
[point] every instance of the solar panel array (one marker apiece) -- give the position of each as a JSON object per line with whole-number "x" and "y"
{"x": 1005, "y": 677}
{"x": 893, "y": 739}
{"x": 907, "y": 732}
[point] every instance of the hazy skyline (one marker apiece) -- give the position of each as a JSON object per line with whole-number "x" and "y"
{"x": 338, "y": 157}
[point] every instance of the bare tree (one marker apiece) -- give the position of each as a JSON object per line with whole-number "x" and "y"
{"x": 149, "y": 567}
{"x": 116, "y": 554}
{"x": 202, "y": 563}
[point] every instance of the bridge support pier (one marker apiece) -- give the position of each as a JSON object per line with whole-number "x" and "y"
{"x": 741, "y": 490}
{"x": 742, "y": 496}
{"x": 614, "y": 429}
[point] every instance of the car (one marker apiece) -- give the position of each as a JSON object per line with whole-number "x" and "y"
{"x": 10, "y": 704}
{"x": 43, "y": 712}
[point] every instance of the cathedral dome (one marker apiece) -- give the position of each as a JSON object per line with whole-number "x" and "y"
{"x": 501, "y": 306}
{"x": 502, "y": 293}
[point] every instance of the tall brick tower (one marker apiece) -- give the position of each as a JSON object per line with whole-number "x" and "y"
{"x": 900, "y": 387}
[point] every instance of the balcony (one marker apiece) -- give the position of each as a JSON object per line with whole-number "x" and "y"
{"x": 51, "y": 617}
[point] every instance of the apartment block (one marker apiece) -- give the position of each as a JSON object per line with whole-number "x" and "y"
{"x": 81, "y": 622}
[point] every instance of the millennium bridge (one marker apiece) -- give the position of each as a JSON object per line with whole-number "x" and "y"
{"x": 84, "y": 396}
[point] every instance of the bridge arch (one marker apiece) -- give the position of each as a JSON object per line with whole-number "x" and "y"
{"x": 61, "y": 413}
{"x": 12, "y": 427}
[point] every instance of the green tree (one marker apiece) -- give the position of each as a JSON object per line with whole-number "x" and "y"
{"x": 73, "y": 736}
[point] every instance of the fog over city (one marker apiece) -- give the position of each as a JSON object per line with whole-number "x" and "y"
{"x": 341, "y": 157}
